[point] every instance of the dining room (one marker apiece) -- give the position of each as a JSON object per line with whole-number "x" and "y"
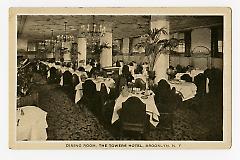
{"x": 120, "y": 77}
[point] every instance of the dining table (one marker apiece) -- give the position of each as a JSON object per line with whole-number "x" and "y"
{"x": 109, "y": 83}
{"x": 148, "y": 99}
{"x": 31, "y": 124}
{"x": 187, "y": 90}
{"x": 193, "y": 73}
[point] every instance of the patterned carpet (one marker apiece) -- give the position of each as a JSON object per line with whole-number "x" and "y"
{"x": 197, "y": 119}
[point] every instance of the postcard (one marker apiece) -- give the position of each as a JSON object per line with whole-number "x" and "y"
{"x": 120, "y": 78}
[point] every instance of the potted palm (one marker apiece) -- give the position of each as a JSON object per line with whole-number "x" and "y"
{"x": 100, "y": 46}
{"x": 155, "y": 45}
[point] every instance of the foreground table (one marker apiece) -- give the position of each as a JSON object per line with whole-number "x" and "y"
{"x": 151, "y": 108}
{"x": 31, "y": 124}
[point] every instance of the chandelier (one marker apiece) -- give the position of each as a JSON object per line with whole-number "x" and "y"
{"x": 42, "y": 45}
{"x": 92, "y": 31}
{"x": 48, "y": 43}
{"x": 64, "y": 37}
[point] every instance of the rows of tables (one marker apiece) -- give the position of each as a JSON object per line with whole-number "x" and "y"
{"x": 187, "y": 90}
{"x": 109, "y": 82}
{"x": 151, "y": 107}
{"x": 31, "y": 120}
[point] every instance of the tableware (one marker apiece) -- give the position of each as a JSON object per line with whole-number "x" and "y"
{"x": 144, "y": 97}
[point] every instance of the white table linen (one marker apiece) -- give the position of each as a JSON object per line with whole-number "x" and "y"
{"x": 151, "y": 108}
{"x": 192, "y": 74}
{"x": 141, "y": 76}
{"x": 188, "y": 90}
{"x": 88, "y": 68}
{"x": 31, "y": 124}
{"x": 109, "y": 82}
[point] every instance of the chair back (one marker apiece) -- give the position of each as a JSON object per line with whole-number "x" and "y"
{"x": 53, "y": 75}
{"x": 179, "y": 68}
{"x": 43, "y": 69}
{"x": 89, "y": 88}
{"x": 75, "y": 80}
{"x": 200, "y": 81}
{"x": 118, "y": 64}
{"x": 162, "y": 92}
{"x": 121, "y": 81}
{"x": 53, "y": 71}
{"x": 103, "y": 93}
{"x": 133, "y": 115}
{"x": 139, "y": 83}
{"x": 186, "y": 77}
{"x": 67, "y": 78}
{"x": 216, "y": 82}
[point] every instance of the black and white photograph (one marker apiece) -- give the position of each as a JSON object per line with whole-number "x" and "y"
{"x": 116, "y": 79}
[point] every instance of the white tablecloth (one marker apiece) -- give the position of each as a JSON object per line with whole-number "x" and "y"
{"x": 78, "y": 73}
{"x": 188, "y": 90}
{"x": 192, "y": 74}
{"x": 109, "y": 82}
{"x": 151, "y": 108}
{"x": 31, "y": 124}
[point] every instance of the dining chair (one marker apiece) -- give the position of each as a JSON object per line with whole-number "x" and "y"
{"x": 162, "y": 92}
{"x": 139, "y": 83}
{"x": 216, "y": 82}
{"x": 75, "y": 80}
{"x": 53, "y": 75}
{"x": 120, "y": 82}
{"x": 91, "y": 98}
{"x": 133, "y": 117}
{"x": 186, "y": 77}
{"x": 168, "y": 101}
{"x": 43, "y": 69}
{"x": 200, "y": 82}
{"x": 166, "y": 111}
{"x": 103, "y": 93}
{"x": 67, "y": 84}
{"x": 107, "y": 112}
{"x": 67, "y": 79}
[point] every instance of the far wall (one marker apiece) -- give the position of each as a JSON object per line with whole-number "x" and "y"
{"x": 22, "y": 44}
{"x": 199, "y": 37}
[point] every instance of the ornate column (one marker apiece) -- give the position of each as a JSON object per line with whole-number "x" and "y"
{"x": 162, "y": 61}
{"x": 82, "y": 50}
{"x": 106, "y": 55}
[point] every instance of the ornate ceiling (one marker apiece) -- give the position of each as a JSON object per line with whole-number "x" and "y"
{"x": 34, "y": 27}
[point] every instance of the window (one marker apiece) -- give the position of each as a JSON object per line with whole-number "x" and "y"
{"x": 184, "y": 45}
{"x": 217, "y": 41}
{"x": 220, "y": 46}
